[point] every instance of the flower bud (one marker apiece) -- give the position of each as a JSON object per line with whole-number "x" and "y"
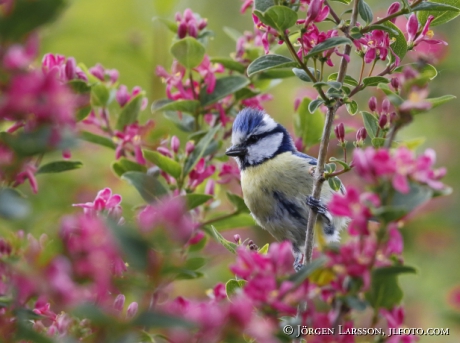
{"x": 340, "y": 132}
{"x": 189, "y": 147}
{"x": 188, "y": 15}
{"x": 394, "y": 7}
{"x": 209, "y": 189}
{"x": 175, "y": 144}
{"x": 383, "y": 120}
{"x": 372, "y": 104}
{"x": 392, "y": 117}
{"x": 182, "y": 30}
{"x": 192, "y": 30}
{"x": 132, "y": 310}
{"x": 237, "y": 239}
{"x": 361, "y": 134}
{"x": 386, "y": 106}
{"x": 122, "y": 95}
{"x": 313, "y": 10}
{"x": 412, "y": 27}
{"x": 119, "y": 302}
{"x": 395, "y": 83}
{"x": 70, "y": 68}
{"x": 178, "y": 16}
{"x": 202, "y": 24}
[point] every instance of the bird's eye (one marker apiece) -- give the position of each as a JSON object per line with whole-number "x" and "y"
{"x": 252, "y": 139}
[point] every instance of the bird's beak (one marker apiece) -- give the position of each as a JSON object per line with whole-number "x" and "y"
{"x": 235, "y": 151}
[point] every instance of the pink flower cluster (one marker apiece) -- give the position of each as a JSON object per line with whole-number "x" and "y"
{"x": 400, "y": 167}
{"x": 65, "y": 68}
{"x": 375, "y": 45}
{"x": 131, "y": 139}
{"x": 189, "y": 23}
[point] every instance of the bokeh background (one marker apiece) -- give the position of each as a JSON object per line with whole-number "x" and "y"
{"x": 124, "y": 35}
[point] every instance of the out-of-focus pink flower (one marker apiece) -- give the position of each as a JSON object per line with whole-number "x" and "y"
{"x": 416, "y": 100}
{"x": 269, "y": 34}
{"x": 189, "y": 23}
{"x": 395, "y": 320}
{"x": 394, "y": 7}
{"x": 104, "y": 201}
{"x": 256, "y": 101}
{"x": 229, "y": 171}
{"x": 207, "y": 70}
{"x": 169, "y": 214}
{"x": 395, "y": 244}
{"x": 119, "y": 303}
{"x": 19, "y": 56}
{"x": 189, "y": 147}
{"x": 209, "y": 189}
{"x": 425, "y": 173}
{"x": 246, "y": 4}
{"x": 65, "y": 69}
{"x": 123, "y": 96}
{"x": 357, "y": 207}
{"x": 371, "y": 163}
{"x": 103, "y": 74}
{"x": 131, "y": 311}
{"x": 175, "y": 144}
{"x": 200, "y": 173}
{"x": 38, "y": 99}
{"x": 27, "y": 173}
{"x": 454, "y": 297}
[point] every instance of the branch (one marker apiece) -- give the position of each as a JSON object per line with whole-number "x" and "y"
{"x": 319, "y": 178}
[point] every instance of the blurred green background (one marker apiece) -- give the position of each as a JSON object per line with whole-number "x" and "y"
{"x": 121, "y": 34}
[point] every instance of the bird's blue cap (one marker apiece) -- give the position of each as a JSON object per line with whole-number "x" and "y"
{"x": 248, "y": 119}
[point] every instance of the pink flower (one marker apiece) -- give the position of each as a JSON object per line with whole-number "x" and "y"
{"x": 131, "y": 136}
{"x": 200, "y": 173}
{"x": 207, "y": 70}
{"x": 175, "y": 81}
{"x": 19, "y": 56}
{"x": 269, "y": 34}
{"x": 395, "y": 244}
{"x": 414, "y": 38}
{"x": 27, "y": 173}
{"x": 123, "y": 97}
{"x": 375, "y": 44}
{"x": 395, "y": 320}
{"x": 355, "y": 206}
{"x": 425, "y": 174}
{"x": 103, "y": 74}
{"x": 104, "y": 201}
{"x": 246, "y": 5}
{"x": 394, "y": 7}
{"x": 370, "y": 164}
{"x": 229, "y": 171}
{"x": 316, "y": 12}
{"x": 189, "y": 23}
{"x": 66, "y": 70}
{"x": 169, "y": 214}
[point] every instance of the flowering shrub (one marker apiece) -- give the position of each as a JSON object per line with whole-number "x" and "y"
{"x": 105, "y": 278}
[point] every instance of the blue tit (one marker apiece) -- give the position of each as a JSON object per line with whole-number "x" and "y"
{"x": 277, "y": 181}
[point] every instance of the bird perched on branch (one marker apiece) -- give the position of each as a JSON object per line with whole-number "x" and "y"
{"x": 277, "y": 181}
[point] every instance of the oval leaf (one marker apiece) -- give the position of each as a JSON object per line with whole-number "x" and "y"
{"x": 373, "y": 81}
{"x": 440, "y": 17}
{"x": 365, "y": 12}
{"x": 328, "y": 44}
{"x": 188, "y": 51}
{"x": 59, "y": 167}
{"x": 96, "y": 139}
{"x": 193, "y": 200}
{"x": 281, "y": 16}
{"x": 370, "y": 123}
{"x": 199, "y": 150}
{"x": 189, "y": 106}
{"x": 148, "y": 186}
{"x": 130, "y": 112}
{"x": 267, "y": 62}
{"x": 168, "y": 165}
{"x": 308, "y": 125}
{"x": 399, "y": 46}
{"x": 224, "y": 86}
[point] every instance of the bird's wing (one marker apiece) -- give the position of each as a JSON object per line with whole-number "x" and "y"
{"x": 311, "y": 160}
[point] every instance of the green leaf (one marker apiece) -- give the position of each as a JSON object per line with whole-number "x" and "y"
{"x": 193, "y": 200}
{"x": 100, "y": 95}
{"x": 184, "y": 122}
{"x": 171, "y": 25}
{"x": 96, "y": 139}
{"x": 147, "y": 185}
{"x": 344, "y": 165}
{"x": 168, "y": 165}
{"x": 232, "y": 33}
{"x": 328, "y": 44}
{"x": 236, "y": 221}
{"x": 373, "y": 81}
{"x": 388, "y": 214}
{"x": 83, "y": 112}
{"x": 28, "y": 143}
{"x": 307, "y": 270}
{"x": 440, "y": 17}
{"x": 273, "y": 74}
{"x": 267, "y": 62}
{"x": 26, "y": 16}
{"x": 378, "y": 142}
{"x": 399, "y": 45}
{"x": 313, "y": 105}
{"x": 356, "y": 33}
{"x": 232, "y": 286}
{"x": 435, "y": 102}
{"x": 130, "y": 112}
{"x": 189, "y": 106}
{"x": 365, "y": 12}
{"x": 385, "y": 291}
{"x": 188, "y": 52}
{"x": 24, "y": 332}
{"x": 370, "y": 123}
{"x": 195, "y": 263}
{"x": 152, "y": 319}
{"x": 79, "y": 86}
{"x": 199, "y": 150}
{"x": 124, "y": 165}
{"x": 394, "y": 98}
{"x": 356, "y": 303}
{"x": 352, "y": 107}
{"x": 245, "y": 93}
{"x": 264, "y": 249}
{"x": 230, "y": 246}
{"x": 427, "y": 70}
{"x": 135, "y": 248}
{"x": 59, "y": 167}
{"x": 280, "y": 18}
{"x": 12, "y": 204}
{"x": 308, "y": 125}
{"x": 93, "y": 313}
{"x": 418, "y": 194}
{"x": 301, "y": 74}
{"x": 433, "y": 6}
{"x": 263, "y": 5}
{"x": 224, "y": 86}
{"x": 238, "y": 202}
{"x": 229, "y": 64}
{"x": 382, "y": 28}
{"x": 347, "y": 80}
{"x": 335, "y": 183}
{"x": 346, "y": 2}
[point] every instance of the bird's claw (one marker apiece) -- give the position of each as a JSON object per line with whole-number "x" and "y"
{"x": 298, "y": 262}
{"x": 317, "y": 206}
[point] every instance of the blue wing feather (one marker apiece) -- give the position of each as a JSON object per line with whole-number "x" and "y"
{"x": 311, "y": 160}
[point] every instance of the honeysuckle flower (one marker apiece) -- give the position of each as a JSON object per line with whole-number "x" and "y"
{"x": 339, "y": 131}
{"x": 395, "y": 319}
{"x": 414, "y": 38}
{"x": 361, "y": 135}
{"x": 229, "y": 171}
{"x": 200, "y": 173}
{"x": 425, "y": 174}
{"x": 246, "y": 4}
{"x": 131, "y": 136}
{"x": 65, "y": 68}
{"x": 355, "y": 206}
{"x": 19, "y": 56}
{"x": 175, "y": 80}
{"x": 416, "y": 100}
{"x": 104, "y": 201}
{"x": 370, "y": 163}
{"x": 119, "y": 303}
{"x": 316, "y": 12}
{"x": 131, "y": 311}
{"x": 103, "y": 74}
{"x": 207, "y": 70}
{"x": 394, "y": 7}
{"x": 394, "y": 244}
{"x": 27, "y": 173}
{"x": 269, "y": 34}
{"x": 375, "y": 44}
{"x": 189, "y": 23}
{"x": 123, "y": 96}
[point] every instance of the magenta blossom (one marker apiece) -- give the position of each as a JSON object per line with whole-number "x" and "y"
{"x": 104, "y": 201}
{"x": 65, "y": 68}
{"x": 171, "y": 215}
{"x": 27, "y": 173}
{"x": 269, "y": 34}
{"x": 414, "y": 37}
{"x": 103, "y": 74}
{"x": 357, "y": 207}
{"x": 207, "y": 70}
{"x": 123, "y": 96}
{"x": 229, "y": 171}
{"x": 131, "y": 136}
{"x": 19, "y": 56}
{"x": 246, "y": 4}
{"x": 316, "y": 12}
{"x": 375, "y": 44}
{"x": 189, "y": 24}
{"x": 200, "y": 173}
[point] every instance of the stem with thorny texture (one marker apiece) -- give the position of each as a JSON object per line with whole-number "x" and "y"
{"x": 319, "y": 177}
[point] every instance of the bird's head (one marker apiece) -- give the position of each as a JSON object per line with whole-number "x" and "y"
{"x": 256, "y": 138}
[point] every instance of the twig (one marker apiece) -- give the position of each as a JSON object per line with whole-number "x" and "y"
{"x": 319, "y": 177}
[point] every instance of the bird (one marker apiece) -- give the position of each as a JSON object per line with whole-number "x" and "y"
{"x": 277, "y": 181}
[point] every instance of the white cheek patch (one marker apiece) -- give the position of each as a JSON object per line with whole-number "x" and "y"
{"x": 267, "y": 125}
{"x": 264, "y": 149}
{"x": 237, "y": 137}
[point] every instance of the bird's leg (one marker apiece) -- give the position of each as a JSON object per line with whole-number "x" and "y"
{"x": 317, "y": 206}
{"x": 298, "y": 261}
